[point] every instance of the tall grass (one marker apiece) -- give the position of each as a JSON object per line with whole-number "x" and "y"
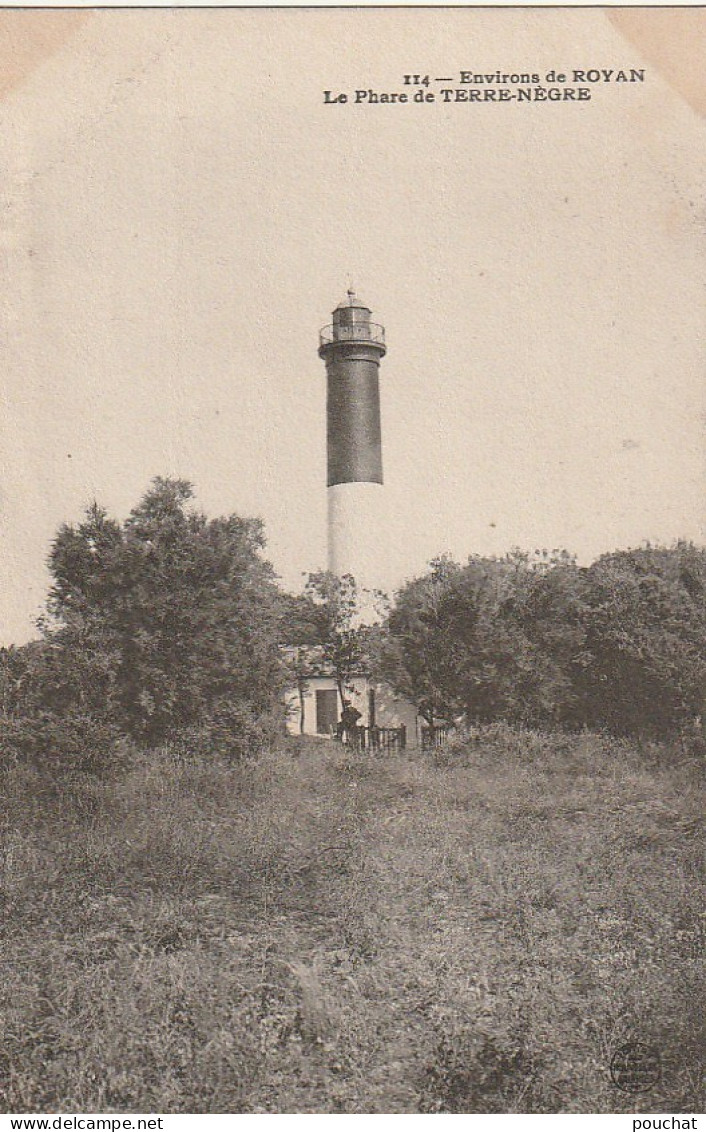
{"x": 316, "y": 932}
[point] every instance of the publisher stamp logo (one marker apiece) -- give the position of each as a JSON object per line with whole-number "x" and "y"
{"x": 635, "y": 1067}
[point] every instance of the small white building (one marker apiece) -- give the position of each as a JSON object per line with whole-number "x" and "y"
{"x": 314, "y": 707}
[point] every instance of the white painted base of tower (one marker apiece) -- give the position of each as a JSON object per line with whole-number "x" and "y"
{"x": 356, "y": 530}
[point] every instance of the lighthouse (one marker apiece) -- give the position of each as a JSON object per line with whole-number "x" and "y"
{"x": 352, "y": 347}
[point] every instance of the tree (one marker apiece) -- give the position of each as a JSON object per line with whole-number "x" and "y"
{"x": 343, "y": 641}
{"x": 548, "y": 603}
{"x": 537, "y": 639}
{"x": 303, "y": 626}
{"x": 645, "y": 626}
{"x": 412, "y": 654}
{"x": 491, "y": 668}
{"x": 456, "y": 645}
{"x": 174, "y": 616}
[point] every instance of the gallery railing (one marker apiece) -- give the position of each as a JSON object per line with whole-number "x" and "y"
{"x": 356, "y": 332}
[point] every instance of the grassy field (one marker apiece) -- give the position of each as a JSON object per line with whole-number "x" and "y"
{"x": 323, "y": 933}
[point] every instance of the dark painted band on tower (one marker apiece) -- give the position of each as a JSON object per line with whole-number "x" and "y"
{"x": 354, "y": 442}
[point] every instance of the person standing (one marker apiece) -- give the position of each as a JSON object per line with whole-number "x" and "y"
{"x": 349, "y": 724}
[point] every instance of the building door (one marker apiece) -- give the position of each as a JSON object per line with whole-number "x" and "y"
{"x": 326, "y": 711}
{"x": 371, "y": 707}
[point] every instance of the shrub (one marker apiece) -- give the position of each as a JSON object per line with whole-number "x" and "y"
{"x": 232, "y": 732}
{"x": 60, "y": 744}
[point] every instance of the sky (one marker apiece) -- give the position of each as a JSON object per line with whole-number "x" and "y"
{"x": 180, "y": 212}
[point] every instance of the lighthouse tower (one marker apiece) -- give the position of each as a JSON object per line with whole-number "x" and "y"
{"x": 352, "y": 347}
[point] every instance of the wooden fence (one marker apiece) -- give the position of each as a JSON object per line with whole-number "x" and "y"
{"x": 376, "y": 738}
{"x": 434, "y": 737}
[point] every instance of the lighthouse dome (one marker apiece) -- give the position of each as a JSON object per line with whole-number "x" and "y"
{"x": 352, "y": 300}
